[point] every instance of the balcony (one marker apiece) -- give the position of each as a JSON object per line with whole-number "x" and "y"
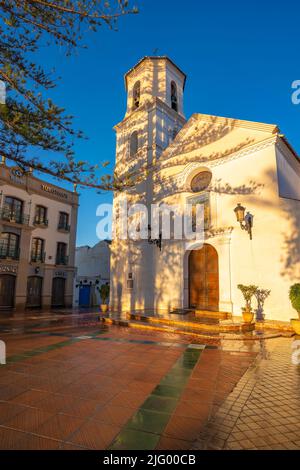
{"x": 38, "y": 257}
{"x": 40, "y": 222}
{"x": 8, "y": 216}
{"x": 63, "y": 227}
{"x": 9, "y": 253}
{"x": 62, "y": 260}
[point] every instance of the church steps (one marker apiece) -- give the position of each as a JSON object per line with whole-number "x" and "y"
{"x": 211, "y": 314}
{"x": 195, "y": 333}
{"x": 204, "y": 324}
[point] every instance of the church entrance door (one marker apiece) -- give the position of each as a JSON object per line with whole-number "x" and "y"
{"x": 204, "y": 278}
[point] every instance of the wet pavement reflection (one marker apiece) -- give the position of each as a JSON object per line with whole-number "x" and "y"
{"x": 74, "y": 382}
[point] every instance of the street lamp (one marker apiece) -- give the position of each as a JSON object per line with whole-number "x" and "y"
{"x": 245, "y": 221}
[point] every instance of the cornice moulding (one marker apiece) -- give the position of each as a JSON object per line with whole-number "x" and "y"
{"x": 190, "y": 167}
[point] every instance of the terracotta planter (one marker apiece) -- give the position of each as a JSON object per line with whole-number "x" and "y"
{"x": 295, "y": 322}
{"x": 248, "y": 317}
{"x": 103, "y": 308}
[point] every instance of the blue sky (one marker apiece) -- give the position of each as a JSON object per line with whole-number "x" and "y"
{"x": 240, "y": 59}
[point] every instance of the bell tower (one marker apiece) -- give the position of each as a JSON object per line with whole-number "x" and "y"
{"x": 154, "y": 111}
{"x": 155, "y": 77}
{"x": 154, "y": 115}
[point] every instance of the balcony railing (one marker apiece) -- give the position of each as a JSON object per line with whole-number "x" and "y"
{"x": 40, "y": 222}
{"x": 62, "y": 259}
{"x": 9, "y": 253}
{"x": 9, "y": 216}
{"x": 38, "y": 257}
{"x": 64, "y": 227}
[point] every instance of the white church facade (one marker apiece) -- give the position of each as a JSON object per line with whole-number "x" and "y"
{"x": 223, "y": 163}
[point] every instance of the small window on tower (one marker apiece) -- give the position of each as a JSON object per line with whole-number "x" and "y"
{"x": 174, "y": 100}
{"x": 136, "y": 95}
{"x": 134, "y": 143}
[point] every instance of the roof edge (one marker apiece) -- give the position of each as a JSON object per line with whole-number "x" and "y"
{"x": 260, "y": 126}
{"x": 154, "y": 58}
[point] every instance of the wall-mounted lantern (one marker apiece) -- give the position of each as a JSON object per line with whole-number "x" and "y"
{"x": 245, "y": 220}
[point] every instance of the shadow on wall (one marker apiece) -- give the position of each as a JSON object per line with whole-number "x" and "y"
{"x": 290, "y": 250}
{"x": 210, "y": 133}
{"x": 132, "y": 168}
{"x": 176, "y": 155}
{"x": 140, "y": 296}
{"x": 291, "y": 247}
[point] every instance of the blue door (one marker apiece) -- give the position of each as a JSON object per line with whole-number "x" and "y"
{"x": 84, "y": 296}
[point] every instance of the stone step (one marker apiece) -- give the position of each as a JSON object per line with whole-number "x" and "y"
{"x": 211, "y": 314}
{"x": 207, "y": 327}
{"x": 195, "y": 333}
{"x": 153, "y": 327}
{"x": 214, "y": 325}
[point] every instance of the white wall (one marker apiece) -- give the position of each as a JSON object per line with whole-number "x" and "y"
{"x": 93, "y": 261}
{"x": 92, "y": 264}
{"x": 288, "y": 176}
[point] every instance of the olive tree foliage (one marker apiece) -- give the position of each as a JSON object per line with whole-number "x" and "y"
{"x": 30, "y": 122}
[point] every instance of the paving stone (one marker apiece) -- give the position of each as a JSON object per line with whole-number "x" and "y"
{"x": 57, "y": 392}
{"x": 260, "y": 412}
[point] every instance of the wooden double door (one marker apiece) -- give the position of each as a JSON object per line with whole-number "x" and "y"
{"x": 7, "y": 290}
{"x": 58, "y": 292}
{"x": 204, "y": 278}
{"x": 34, "y": 292}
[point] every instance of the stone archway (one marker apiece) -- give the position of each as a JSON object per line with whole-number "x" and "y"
{"x": 203, "y": 278}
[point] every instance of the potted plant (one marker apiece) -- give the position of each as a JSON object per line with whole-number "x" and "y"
{"x": 261, "y": 296}
{"x": 248, "y": 293}
{"x": 104, "y": 294}
{"x": 295, "y": 301}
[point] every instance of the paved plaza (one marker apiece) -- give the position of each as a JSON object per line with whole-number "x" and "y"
{"x": 73, "y": 383}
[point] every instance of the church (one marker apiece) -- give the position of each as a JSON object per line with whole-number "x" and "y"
{"x": 246, "y": 175}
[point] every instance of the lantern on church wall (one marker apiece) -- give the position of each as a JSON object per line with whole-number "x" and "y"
{"x": 240, "y": 213}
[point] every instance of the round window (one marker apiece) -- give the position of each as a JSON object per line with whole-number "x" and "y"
{"x": 201, "y": 181}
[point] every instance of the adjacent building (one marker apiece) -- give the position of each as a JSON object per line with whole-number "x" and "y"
{"x": 38, "y": 223}
{"x": 224, "y": 164}
{"x": 92, "y": 270}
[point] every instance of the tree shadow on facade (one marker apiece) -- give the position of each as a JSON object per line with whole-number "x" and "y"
{"x": 291, "y": 246}
{"x": 161, "y": 187}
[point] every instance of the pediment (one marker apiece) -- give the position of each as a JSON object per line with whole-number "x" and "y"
{"x": 206, "y": 139}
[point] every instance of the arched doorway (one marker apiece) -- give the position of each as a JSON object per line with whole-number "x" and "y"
{"x": 204, "y": 278}
{"x": 58, "y": 292}
{"x": 34, "y": 292}
{"x": 7, "y": 291}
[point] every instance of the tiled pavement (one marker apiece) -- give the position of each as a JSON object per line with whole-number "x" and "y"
{"x": 263, "y": 411}
{"x": 67, "y": 386}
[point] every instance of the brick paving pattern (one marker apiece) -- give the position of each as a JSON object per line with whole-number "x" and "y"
{"x": 263, "y": 411}
{"x": 76, "y": 384}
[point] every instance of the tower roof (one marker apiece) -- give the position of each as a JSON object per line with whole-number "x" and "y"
{"x": 164, "y": 57}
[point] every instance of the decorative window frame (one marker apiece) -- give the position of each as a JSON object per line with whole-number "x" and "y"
{"x": 203, "y": 197}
